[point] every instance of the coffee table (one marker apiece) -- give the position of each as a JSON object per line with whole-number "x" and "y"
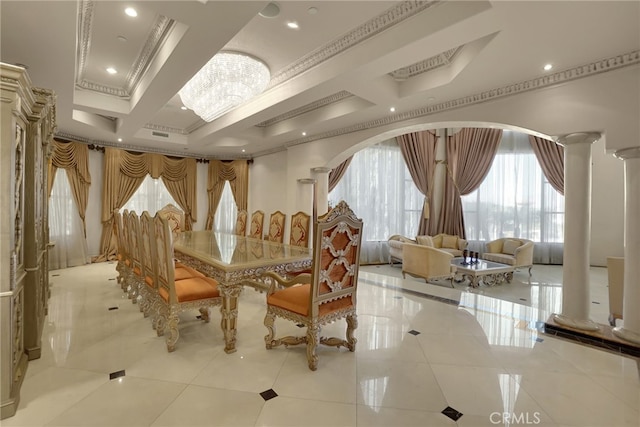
{"x": 489, "y": 272}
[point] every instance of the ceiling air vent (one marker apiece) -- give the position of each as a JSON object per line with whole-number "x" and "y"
{"x": 162, "y": 134}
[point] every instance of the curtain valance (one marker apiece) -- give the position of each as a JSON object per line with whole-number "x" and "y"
{"x": 237, "y": 173}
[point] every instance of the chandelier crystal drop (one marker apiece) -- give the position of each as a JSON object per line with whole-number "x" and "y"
{"x": 226, "y": 81}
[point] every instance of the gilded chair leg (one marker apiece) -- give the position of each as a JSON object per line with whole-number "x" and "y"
{"x": 352, "y": 324}
{"x": 313, "y": 339}
{"x": 172, "y": 325}
{"x": 269, "y": 322}
{"x": 160, "y": 322}
{"x": 204, "y": 313}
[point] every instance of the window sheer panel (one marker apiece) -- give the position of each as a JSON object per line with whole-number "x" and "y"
{"x": 380, "y": 190}
{"x": 225, "y": 216}
{"x": 65, "y": 227}
{"x": 516, "y": 200}
{"x": 152, "y": 195}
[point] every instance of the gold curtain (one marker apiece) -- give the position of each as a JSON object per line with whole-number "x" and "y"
{"x": 73, "y": 157}
{"x": 124, "y": 173}
{"x": 237, "y": 173}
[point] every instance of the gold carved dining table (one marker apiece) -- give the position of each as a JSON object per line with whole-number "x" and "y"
{"x": 235, "y": 262}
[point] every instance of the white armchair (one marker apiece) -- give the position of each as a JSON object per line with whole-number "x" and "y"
{"x": 427, "y": 262}
{"x": 395, "y": 246}
{"x": 507, "y": 250}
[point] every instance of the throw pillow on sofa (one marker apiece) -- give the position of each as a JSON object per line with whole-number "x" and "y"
{"x": 424, "y": 240}
{"x": 450, "y": 242}
{"x": 510, "y": 245}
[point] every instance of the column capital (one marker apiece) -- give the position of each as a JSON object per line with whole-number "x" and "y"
{"x": 321, "y": 170}
{"x": 578, "y": 138}
{"x": 628, "y": 153}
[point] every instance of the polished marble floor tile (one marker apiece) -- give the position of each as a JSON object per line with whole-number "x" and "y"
{"x": 421, "y": 348}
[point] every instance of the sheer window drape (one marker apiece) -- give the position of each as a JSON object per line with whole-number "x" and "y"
{"x": 517, "y": 200}
{"x": 66, "y": 228}
{"x": 225, "y": 218}
{"x": 152, "y": 195}
{"x": 237, "y": 173}
{"x": 380, "y": 190}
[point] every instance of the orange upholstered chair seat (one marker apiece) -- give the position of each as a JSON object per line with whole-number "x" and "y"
{"x": 296, "y": 299}
{"x": 195, "y": 288}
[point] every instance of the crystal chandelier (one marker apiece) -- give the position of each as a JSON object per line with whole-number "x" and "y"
{"x": 226, "y": 81}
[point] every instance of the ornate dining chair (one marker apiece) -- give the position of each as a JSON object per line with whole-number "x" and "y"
{"x": 276, "y": 227}
{"x": 241, "y": 223}
{"x": 122, "y": 258}
{"x": 257, "y": 223}
{"x": 326, "y": 294}
{"x": 299, "y": 231}
{"x": 137, "y": 277}
{"x": 175, "y": 217}
{"x": 175, "y": 296}
{"x": 149, "y": 289}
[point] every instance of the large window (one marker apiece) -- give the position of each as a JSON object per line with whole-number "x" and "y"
{"x": 379, "y": 189}
{"x": 152, "y": 195}
{"x": 225, "y": 218}
{"x": 516, "y": 200}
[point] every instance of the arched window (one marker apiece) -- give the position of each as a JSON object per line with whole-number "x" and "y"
{"x": 152, "y": 195}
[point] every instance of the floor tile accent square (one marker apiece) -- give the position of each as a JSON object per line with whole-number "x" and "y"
{"x": 414, "y": 332}
{"x": 116, "y": 374}
{"x": 112, "y": 308}
{"x": 452, "y": 413}
{"x": 268, "y": 394}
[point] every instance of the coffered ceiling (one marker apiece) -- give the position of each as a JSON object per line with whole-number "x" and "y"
{"x": 346, "y": 66}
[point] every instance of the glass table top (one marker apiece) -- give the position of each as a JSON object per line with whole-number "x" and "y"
{"x": 481, "y": 265}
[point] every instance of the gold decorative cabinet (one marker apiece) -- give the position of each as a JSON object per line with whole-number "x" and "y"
{"x": 26, "y": 132}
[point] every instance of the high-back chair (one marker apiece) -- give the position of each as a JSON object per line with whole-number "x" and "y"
{"x": 123, "y": 262}
{"x": 175, "y": 218}
{"x": 149, "y": 289}
{"x": 175, "y": 296}
{"x": 257, "y": 223}
{"x": 299, "y": 230}
{"x": 276, "y": 227}
{"x": 241, "y": 223}
{"x": 137, "y": 278}
{"x": 326, "y": 294}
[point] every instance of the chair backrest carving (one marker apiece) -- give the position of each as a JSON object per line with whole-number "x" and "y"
{"x": 257, "y": 223}
{"x": 148, "y": 238}
{"x": 175, "y": 218}
{"x": 164, "y": 258}
{"x": 299, "y": 230}
{"x": 241, "y": 223}
{"x": 276, "y": 227}
{"x": 134, "y": 242}
{"x": 336, "y": 259}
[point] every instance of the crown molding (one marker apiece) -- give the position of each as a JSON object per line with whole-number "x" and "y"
{"x": 168, "y": 129}
{"x": 593, "y": 68}
{"x": 387, "y": 19}
{"x": 437, "y": 61}
{"x": 159, "y": 32}
{"x": 338, "y": 96}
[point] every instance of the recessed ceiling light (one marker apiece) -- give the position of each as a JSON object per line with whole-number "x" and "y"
{"x": 312, "y": 10}
{"x": 122, "y": 38}
{"x": 119, "y": 139}
{"x": 548, "y": 67}
{"x": 243, "y": 150}
{"x": 293, "y": 25}
{"x": 304, "y": 134}
{"x": 112, "y": 70}
{"x": 392, "y": 109}
{"x": 131, "y": 12}
{"x": 183, "y": 108}
{"x": 431, "y": 99}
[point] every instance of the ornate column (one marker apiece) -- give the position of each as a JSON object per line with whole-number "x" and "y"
{"x": 630, "y": 331}
{"x": 322, "y": 188}
{"x": 577, "y": 231}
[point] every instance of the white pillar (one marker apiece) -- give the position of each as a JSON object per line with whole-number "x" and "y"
{"x": 577, "y": 231}
{"x": 630, "y": 331}
{"x": 322, "y": 188}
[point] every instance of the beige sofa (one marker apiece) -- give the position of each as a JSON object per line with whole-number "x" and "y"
{"x": 427, "y": 262}
{"x": 448, "y": 243}
{"x": 615, "y": 273}
{"x": 511, "y": 251}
